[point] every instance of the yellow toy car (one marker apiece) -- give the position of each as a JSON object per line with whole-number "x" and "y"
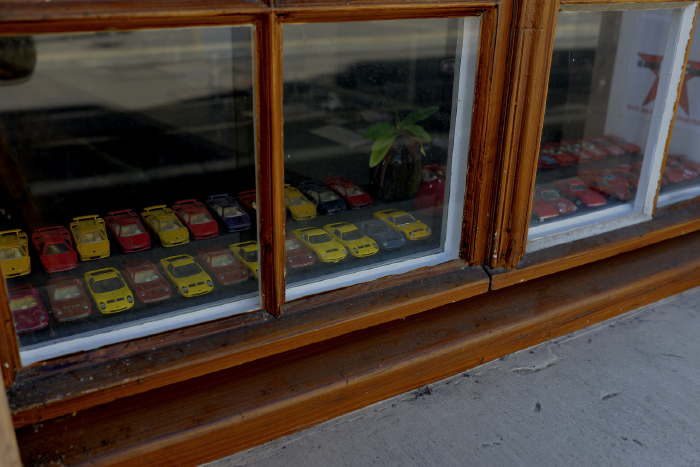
{"x": 187, "y": 275}
{"x": 164, "y": 223}
{"x": 90, "y": 237}
{"x": 109, "y": 291}
{"x": 247, "y": 253}
{"x": 358, "y": 244}
{"x": 318, "y": 240}
{"x": 300, "y": 208}
{"x": 405, "y": 223}
{"x": 14, "y": 253}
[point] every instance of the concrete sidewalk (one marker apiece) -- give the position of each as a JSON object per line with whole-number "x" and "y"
{"x": 624, "y": 392}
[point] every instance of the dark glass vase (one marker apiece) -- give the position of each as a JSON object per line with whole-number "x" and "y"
{"x": 398, "y": 176}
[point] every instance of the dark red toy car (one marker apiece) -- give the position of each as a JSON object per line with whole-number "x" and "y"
{"x": 610, "y": 184}
{"x": 247, "y": 199}
{"x": 146, "y": 281}
{"x": 680, "y": 169}
{"x": 548, "y": 204}
{"x": 560, "y": 153}
{"x": 55, "y": 248}
{"x": 225, "y": 268}
{"x": 128, "y": 230}
{"x": 613, "y": 149}
{"x": 582, "y": 152}
{"x": 577, "y": 191}
{"x": 68, "y": 299}
{"x": 431, "y": 192}
{"x": 197, "y": 218}
{"x": 630, "y": 148}
{"x": 298, "y": 256}
{"x": 354, "y": 196}
{"x": 28, "y": 310}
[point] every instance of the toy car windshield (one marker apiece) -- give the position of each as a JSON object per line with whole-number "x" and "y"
{"x": 232, "y": 211}
{"x": 142, "y": 277}
{"x": 168, "y": 225}
{"x": 351, "y": 235}
{"x": 91, "y": 237}
{"x": 549, "y": 195}
{"x": 10, "y": 253}
{"x": 130, "y": 230}
{"x": 404, "y": 219}
{"x": 23, "y": 303}
{"x": 250, "y": 256}
{"x": 578, "y": 187}
{"x": 354, "y": 191}
{"x": 55, "y": 249}
{"x": 106, "y": 285}
{"x": 223, "y": 259}
{"x": 328, "y": 196}
{"x": 199, "y": 218}
{"x": 319, "y": 238}
{"x": 185, "y": 270}
{"x": 66, "y": 293}
{"x": 296, "y": 201}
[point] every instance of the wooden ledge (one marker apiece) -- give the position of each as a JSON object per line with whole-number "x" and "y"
{"x": 668, "y": 223}
{"x": 69, "y": 384}
{"x": 217, "y": 414}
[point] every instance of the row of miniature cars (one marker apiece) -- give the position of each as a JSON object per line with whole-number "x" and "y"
{"x": 570, "y": 153}
{"x": 595, "y": 188}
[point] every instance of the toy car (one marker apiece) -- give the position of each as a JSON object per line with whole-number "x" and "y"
{"x": 354, "y": 196}
{"x": 357, "y": 243}
{"x": 326, "y": 200}
{"x": 578, "y": 192}
{"x": 546, "y": 161}
{"x": 247, "y": 199}
{"x": 196, "y": 217}
{"x": 610, "y": 184}
{"x": 580, "y": 152}
{"x": 108, "y": 290}
{"x": 165, "y": 224}
{"x": 226, "y": 269}
{"x": 90, "y": 237}
{"x": 387, "y": 238}
{"x": 247, "y": 253}
{"x": 679, "y": 169}
{"x": 28, "y": 311}
{"x": 55, "y": 248}
{"x": 431, "y": 192}
{"x": 147, "y": 282}
{"x": 613, "y": 149}
{"x": 560, "y": 153}
{"x": 187, "y": 275}
{"x": 405, "y": 223}
{"x": 127, "y": 229}
{"x": 317, "y": 240}
{"x": 14, "y": 253}
{"x": 548, "y": 204}
{"x": 298, "y": 256}
{"x": 299, "y": 207}
{"x": 229, "y": 212}
{"x": 68, "y": 299}
{"x": 630, "y": 149}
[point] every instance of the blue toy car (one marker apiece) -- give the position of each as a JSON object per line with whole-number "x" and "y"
{"x": 387, "y": 238}
{"x": 326, "y": 200}
{"x": 229, "y": 212}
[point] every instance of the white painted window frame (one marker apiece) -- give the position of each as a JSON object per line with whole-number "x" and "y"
{"x": 641, "y": 210}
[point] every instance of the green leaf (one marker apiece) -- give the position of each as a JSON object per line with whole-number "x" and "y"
{"x": 417, "y": 115}
{"x": 380, "y": 148}
{"x": 418, "y": 132}
{"x": 379, "y": 130}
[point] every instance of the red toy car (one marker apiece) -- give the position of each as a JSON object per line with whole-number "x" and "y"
{"x": 298, "y": 256}
{"x": 55, "y": 248}
{"x": 431, "y": 192}
{"x": 560, "y": 153}
{"x": 127, "y": 228}
{"x": 247, "y": 199}
{"x": 147, "y": 282}
{"x": 630, "y": 148}
{"x": 546, "y": 161}
{"x": 680, "y": 169}
{"x": 548, "y": 204}
{"x": 613, "y": 149}
{"x": 197, "y": 218}
{"x": 583, "y": 153}
{"x": 28, "y": 310}
{"x": 578, "y": 192}
{"x": 225, "y": 268}
{"x": 610, "y": 184}
{"x": 68, "y": 299}
{"x": 354, "y": 196}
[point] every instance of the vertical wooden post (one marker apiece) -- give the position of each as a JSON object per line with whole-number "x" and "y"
{"x": 270, "y": 162}
{"x": 9, "y": 350}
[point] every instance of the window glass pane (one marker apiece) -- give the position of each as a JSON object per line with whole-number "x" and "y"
{"x": 123, "y": 155}
{"x": 601, "y": 109}
{"x": 681, "y": 177}
{"x": 375, "y": 166}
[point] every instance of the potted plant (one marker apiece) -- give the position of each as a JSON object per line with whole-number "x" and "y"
{"x": 396, "y": 158}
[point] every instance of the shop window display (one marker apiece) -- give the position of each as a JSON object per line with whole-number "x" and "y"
{"x": 377, "y": 117}
{"x": 602, "y": 126}
{"x": 123, "y": 156}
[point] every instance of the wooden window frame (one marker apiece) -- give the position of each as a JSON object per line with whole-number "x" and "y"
{"x": 251, "y": 336}
{"x": 510, "y": 263}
